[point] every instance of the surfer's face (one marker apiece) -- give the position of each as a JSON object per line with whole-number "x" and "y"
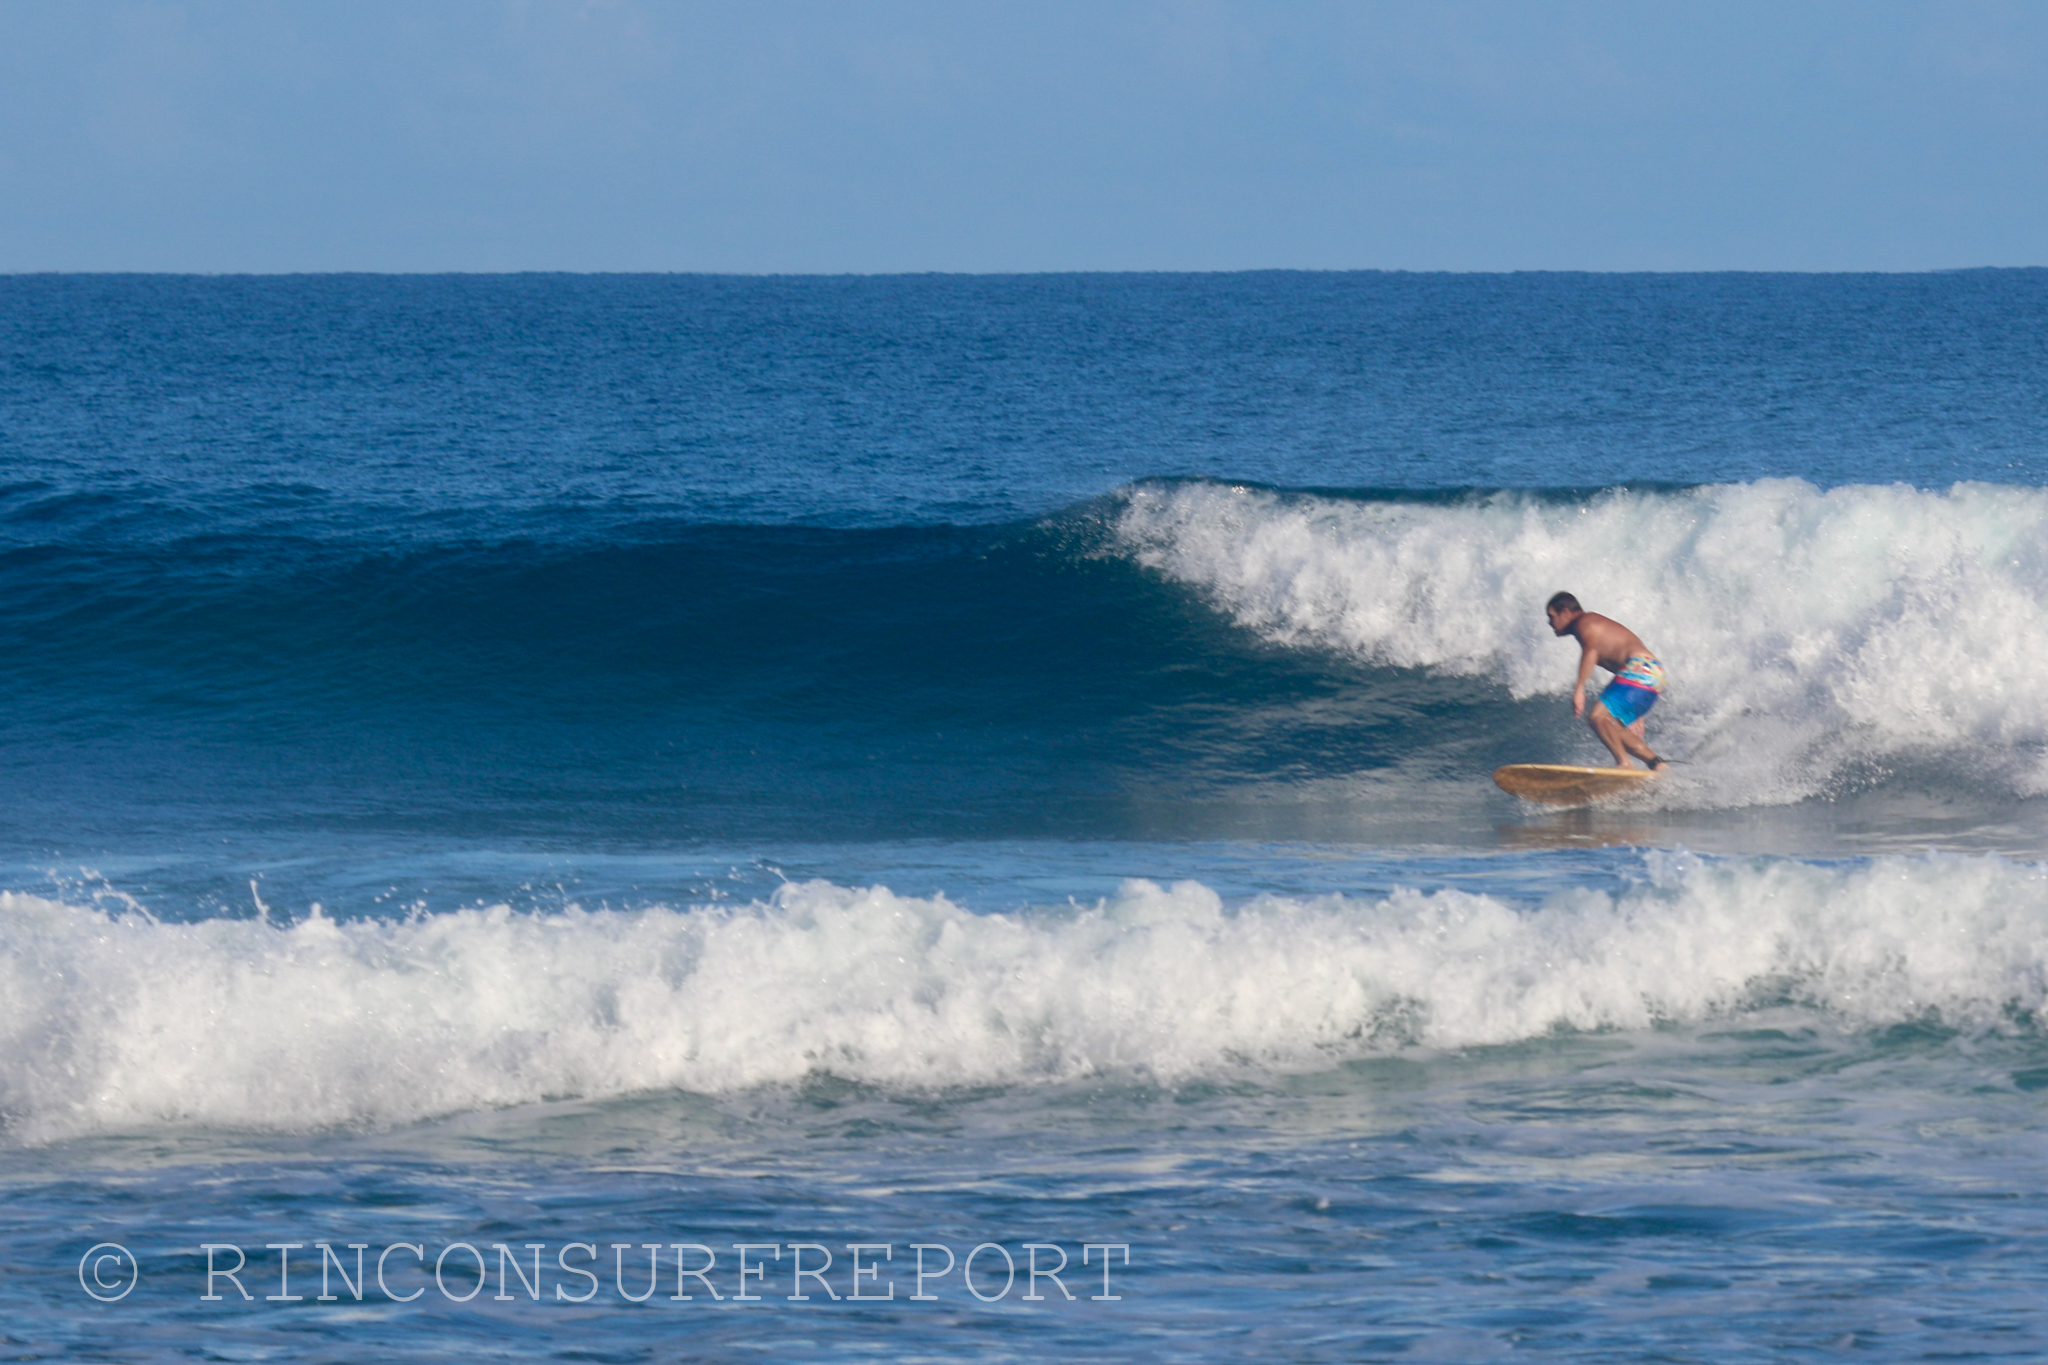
{"x": 1561, "y": 620}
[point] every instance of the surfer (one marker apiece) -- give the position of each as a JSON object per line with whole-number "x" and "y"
{"x": 1616, "y": 715}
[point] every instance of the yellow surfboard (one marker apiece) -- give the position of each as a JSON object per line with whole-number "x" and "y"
{"x": 1560, "y": 784}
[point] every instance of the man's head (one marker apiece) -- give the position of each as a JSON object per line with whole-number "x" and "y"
{"x": 1563, "y": 609}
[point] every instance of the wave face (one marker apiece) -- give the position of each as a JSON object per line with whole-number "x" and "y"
{"x": 116, "y": 1021}
{"x": 1175, "y": 648}
{"x": 1815, "y": 639}
{"x": 693, "y": 681}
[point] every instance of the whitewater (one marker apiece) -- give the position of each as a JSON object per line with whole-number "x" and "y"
{"x": 117, "y": 1021}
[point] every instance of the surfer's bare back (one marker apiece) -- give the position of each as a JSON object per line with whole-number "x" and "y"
{"x": 1617, "y": 714}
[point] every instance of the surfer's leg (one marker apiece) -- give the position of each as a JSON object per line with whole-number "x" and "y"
{"x": 1609, "y": 730}
{"x": 1641, "y": 748}
{"x": 1621, "y": 740}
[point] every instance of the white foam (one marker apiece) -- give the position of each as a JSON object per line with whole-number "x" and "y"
{"x": 1809, "y": 634}
{"x": 112, "y": 1022}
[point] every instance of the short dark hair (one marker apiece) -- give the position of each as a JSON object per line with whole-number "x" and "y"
{"x": 1563, "y": 601}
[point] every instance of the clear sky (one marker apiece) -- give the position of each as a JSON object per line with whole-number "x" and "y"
{"x": 987, "y": 135}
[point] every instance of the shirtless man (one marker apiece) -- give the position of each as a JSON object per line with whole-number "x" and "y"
{"x": 1617, "y": 713}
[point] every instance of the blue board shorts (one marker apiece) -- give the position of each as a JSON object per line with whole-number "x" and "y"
{"x": 1634, "y": 690}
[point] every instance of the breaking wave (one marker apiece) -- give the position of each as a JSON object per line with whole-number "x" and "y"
{"x": 115, "y": 1021}
{"x": 1816, "y": 639}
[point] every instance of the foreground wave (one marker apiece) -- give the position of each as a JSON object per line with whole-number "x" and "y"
{"x": 115, "y": 1021}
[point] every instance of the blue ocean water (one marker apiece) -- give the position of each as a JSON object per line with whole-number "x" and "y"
{"x": 569, "y": 779}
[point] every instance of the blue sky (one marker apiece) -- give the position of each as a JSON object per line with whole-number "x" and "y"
{"x": 906, "y": 135}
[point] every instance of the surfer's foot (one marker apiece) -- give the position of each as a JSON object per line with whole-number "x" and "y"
{"x": 1657, "y": 764}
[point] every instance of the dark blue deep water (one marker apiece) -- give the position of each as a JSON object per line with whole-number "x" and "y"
{"x": 626, "y": 766}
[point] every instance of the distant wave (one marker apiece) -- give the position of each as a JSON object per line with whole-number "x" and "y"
{"x": 113, "y": 1021}
{"x": 1814, "y": 637}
